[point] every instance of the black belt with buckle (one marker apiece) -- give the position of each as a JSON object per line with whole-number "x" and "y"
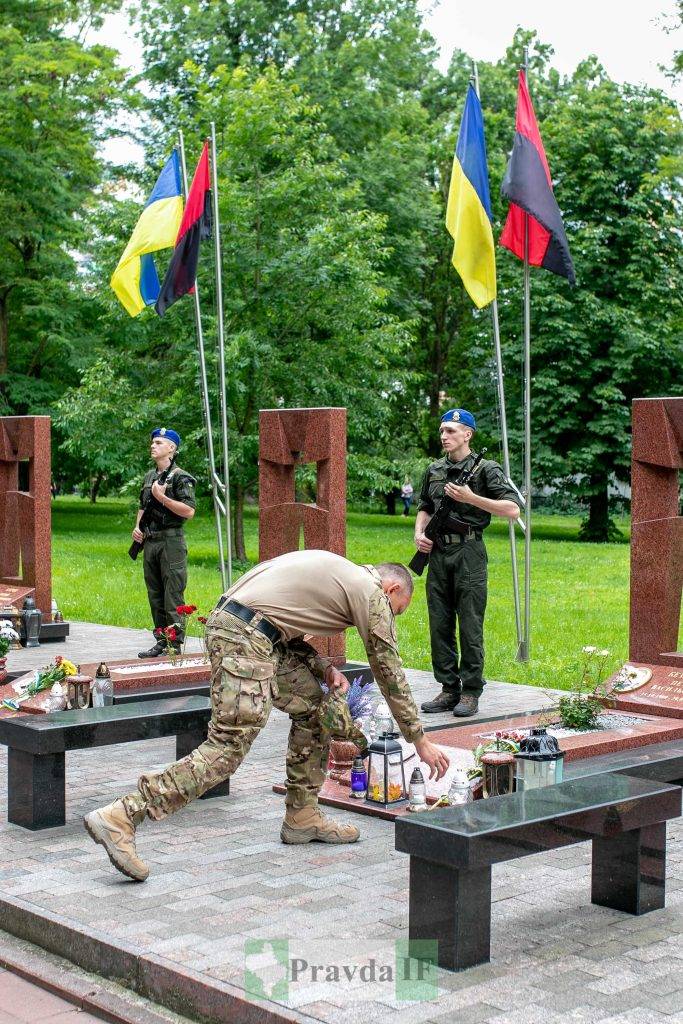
{"x": 246, "y": 615}
{"x": 459, "y": 534}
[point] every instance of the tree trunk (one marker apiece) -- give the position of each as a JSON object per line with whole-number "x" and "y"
{"x": 240, "y": 550}
{"x": 95, "y": 485}
{"x": 598, "y": 527}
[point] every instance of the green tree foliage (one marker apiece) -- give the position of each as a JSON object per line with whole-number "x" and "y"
{"x": 102, "y": 421}
{"x": 336, "y": 136}
{"x": 56, "y": 97}
{"x": 304, "y": 305}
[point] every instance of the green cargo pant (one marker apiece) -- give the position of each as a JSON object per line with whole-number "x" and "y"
{"x": 456, "y": 592}
{"x": 165, "y": 570}
{"x": 248, "y": 676}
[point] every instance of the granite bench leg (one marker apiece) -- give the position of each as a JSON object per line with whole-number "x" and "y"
{"x": 454, "y": 908}
{"x": 36, "y": 796}
{"x": 185, "y": 743}
{"x": 629, "y": 870}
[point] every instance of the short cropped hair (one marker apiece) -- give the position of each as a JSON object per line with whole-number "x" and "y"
{"x": 399, "y": 573}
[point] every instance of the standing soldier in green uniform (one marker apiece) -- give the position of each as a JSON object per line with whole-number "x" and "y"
{"x": 168, "y": 496}
{"x": 259, "y": 658}
{"x": 457, "y": 575}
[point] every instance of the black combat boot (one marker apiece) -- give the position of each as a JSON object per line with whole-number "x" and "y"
{"x": 445, "y": 701}
{"x": 154, "y": 652}
{"x": 467, "y": 705}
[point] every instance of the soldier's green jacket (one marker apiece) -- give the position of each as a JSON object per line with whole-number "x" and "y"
{"x": 488, "y": 481}
{"x": 318, "y": 593}
{"x": 179, "y": 487}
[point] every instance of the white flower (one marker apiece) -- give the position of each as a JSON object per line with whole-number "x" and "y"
{"x": 589, "y": 650}
{"x": 6, "y": 630}
{"x": 605, "y": 654}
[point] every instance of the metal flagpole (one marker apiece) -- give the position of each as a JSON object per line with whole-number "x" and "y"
{"x": 205, "y": 391}
{"x": 504, "y": 442}
{"x": 221, "y": 347}
{"x": 525, "y": 646}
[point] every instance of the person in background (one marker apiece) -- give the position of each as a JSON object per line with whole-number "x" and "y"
{"x": 407, "y": 495}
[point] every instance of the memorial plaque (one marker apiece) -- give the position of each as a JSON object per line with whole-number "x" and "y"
{"x": 14, "y": 596}
{"x": 656, "y": 689}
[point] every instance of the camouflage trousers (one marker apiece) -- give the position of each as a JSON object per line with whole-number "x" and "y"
{"x": 248, "y": 677}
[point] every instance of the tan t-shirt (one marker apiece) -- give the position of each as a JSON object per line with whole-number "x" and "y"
{"x": 310, "y": 592}
{"x": 318, "y": 593}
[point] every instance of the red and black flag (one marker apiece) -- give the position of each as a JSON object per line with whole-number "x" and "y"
{"x": 528, "y": 186}
{"x": 195, "y": 226}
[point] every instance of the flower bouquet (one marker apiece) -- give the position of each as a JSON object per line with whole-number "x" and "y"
{"x": 43, "y": 680}
{"x": 170, "y": 633}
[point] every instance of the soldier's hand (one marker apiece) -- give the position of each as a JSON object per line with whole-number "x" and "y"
{"x": 431, "y": 755}
{"x": 457, "y": 493}
{"x": 423, "y": 543}
{"x": 336, "y": 680}
{"x": 138, "y": 535}
{"x": 158, "y": 490}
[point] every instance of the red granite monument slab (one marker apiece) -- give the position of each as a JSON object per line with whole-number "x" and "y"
{"x": 656, "y": 531}
{"x": 655, "y": 690}
{"x": 126, "y": 675}
{"x": 14, "y": 596}
{"x": 25, "y": 543}
{"x": 459, "y": 740}
{"x": 152, "y": 672}
{"x": 294, "y": 437}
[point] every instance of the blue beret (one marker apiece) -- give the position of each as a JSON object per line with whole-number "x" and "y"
{"x": 459, "y": 416}
{"x": 167, "y": 434}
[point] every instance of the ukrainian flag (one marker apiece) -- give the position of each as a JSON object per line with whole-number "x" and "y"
{"x": 468, "y": 214}
{"x": 135, "y": 279}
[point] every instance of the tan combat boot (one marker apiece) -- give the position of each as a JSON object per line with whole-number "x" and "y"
{"x": 111, "y": 827}
{"x": 309, "y": 824}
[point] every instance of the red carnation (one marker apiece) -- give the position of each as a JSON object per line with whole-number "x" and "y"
{"x": 202, "y": 619}
{"x": 171, "y": 633}
{"x": 191, "y": 608}
{"x": 59, "y": 659}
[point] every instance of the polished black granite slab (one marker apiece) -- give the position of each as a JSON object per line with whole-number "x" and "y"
{"x": 161, "y": 692}
{"x": 499, "y": 829}
{"x": 452, "y": 852}
{"x": 659, "y": 761}
{"x": 96, "y": 727}
{"x": 37, "y": 745}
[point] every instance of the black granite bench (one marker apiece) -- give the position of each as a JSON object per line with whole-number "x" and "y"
{"x": 453, "y": 849}
{"x": 37, "y": 745}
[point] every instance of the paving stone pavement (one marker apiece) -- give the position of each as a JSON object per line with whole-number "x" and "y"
{"x": 226, "y": 898}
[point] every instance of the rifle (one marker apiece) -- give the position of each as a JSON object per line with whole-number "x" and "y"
{"x": 150, "y": 505}
{"x": 435, "y": 527}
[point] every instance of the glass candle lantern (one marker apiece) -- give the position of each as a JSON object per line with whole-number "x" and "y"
{"x": 498, "y": 773}
{"x": 417, "y": 791}
{"x": 461, "y": 790}
{"x": 539, "y": 761}
{"x": 359, "y": 778}
{"x": 77, "y": 691}
{"x": 386, "y": 771}
{"x": 384, "y": 723}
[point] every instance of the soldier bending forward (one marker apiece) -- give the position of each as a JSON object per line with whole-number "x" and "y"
{"x": 258, "y": 659}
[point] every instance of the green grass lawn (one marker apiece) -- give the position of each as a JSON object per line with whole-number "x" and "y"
{"x": 579, "y": 591}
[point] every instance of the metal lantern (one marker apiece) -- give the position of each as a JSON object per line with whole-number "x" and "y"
{"x": 539, "y": 761}
{"x": 33, "y": 618}
{"x": 77, "y": 691}
{"x": 497, "y": 773}
{"x": 386, "y": 771}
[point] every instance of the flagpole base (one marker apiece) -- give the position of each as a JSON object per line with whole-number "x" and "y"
{"x": 522, "y": 651}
